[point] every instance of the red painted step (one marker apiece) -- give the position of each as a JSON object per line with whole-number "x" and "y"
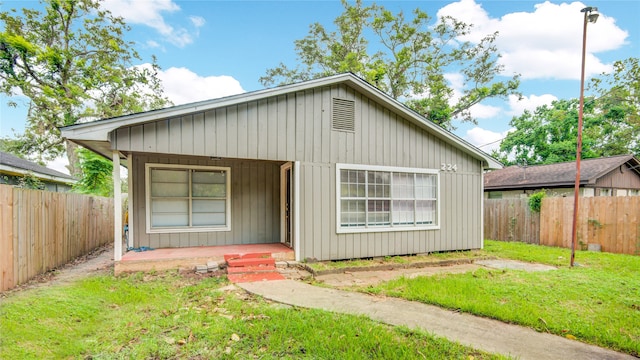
{"x": 253, "y": 277}
{"x": 251, "y": 262}
{"x": 250, "y": 269}
{"x": 228, "y": 257}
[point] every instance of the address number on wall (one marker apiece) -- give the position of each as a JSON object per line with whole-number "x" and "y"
{"x": 449, "y": 167}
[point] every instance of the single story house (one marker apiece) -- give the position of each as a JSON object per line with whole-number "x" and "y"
{"x": 14, "y": 169}
{"x": 607, "y": 176}
{"x": 332, "y": 167}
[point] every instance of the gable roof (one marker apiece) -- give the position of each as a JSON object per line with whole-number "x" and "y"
{"x": 14, "y": 165}
{"x": 555, "y": 175}
{"x": 95, "y": 135}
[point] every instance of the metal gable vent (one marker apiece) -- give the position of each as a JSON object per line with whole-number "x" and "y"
{"x": 343, "y": 115}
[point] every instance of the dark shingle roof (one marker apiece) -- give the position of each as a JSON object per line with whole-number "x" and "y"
{"x": 556, "y": 175}
{"x": 18, "y": 163}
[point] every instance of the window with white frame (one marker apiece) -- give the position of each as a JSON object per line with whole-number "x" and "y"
{"x": 187, "y": 198}
{"x": 371, "y": 198}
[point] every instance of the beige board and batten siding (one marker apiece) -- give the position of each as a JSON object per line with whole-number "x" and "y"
{"x": 289, "y": 127}
{"x": 297, "y": 127}
{"x": 620, "y": 178}
{"x": 255, "y": 204}
{"x": 460, "y": 224}
{"x": 383, "y": 138}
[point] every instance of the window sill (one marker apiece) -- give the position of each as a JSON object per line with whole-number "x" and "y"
{"x": 187, "y": 230}
{"x": 353, "y": 230}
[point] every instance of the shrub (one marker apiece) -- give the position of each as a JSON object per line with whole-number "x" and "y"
{"x": 535, "y": 201}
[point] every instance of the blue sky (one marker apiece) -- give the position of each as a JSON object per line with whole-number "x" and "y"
{"x": 209, "y": 49}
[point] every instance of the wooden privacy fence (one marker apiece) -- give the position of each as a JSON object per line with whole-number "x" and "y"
{"x": 511, "y": 220}
{"x": 42, "y": 230}
{"x": 611, "y": 222}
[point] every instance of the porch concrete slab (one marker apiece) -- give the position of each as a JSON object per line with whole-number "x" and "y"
{"x": 480, "y": 333}
{"x": 189, "y": 257}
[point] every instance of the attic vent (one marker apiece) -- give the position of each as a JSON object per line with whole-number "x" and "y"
{"x": 343, "y": 118}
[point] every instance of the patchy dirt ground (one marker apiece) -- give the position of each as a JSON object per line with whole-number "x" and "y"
{"x": 99, "y": 260}
{"x": 365, "y": 278}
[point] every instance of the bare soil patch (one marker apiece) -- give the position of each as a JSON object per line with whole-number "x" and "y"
{"x": 99, "y": 260}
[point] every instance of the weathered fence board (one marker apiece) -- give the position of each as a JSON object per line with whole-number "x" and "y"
{"x": 611, "y": 222}
{"x": 42, "y": 230}
{"x": 511, "y": 220}
{"x": 6, "y": 238}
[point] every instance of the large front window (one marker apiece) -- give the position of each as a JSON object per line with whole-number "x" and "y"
{"x": 371, "y": 198}
{"x": 187, "y": 198}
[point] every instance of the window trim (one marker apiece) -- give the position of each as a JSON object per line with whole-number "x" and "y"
{"x": 165, "y": 230}
{"x": 391, "y": 169}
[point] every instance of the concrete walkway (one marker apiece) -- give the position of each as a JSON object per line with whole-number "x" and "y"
{"x": 481, "y": 333}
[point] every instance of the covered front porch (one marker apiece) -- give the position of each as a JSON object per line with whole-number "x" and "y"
{"x": 257, "y": 219}
{"x": 190, "y": 257}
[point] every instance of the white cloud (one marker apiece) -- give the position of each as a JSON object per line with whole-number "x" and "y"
{"x": 518, "y": 106}
{"x": 183, "y": 86}
{"x": 153, "y": 44}
{"x": 481, "y": 111}
{"x": 543, "y": 43}
{"x": 59, "y": 164}
{"x": 486, "y": 140}
{"x": 456, "y": 80}
{"x": 150, "y": 13}
{"x": 197, "y": 21}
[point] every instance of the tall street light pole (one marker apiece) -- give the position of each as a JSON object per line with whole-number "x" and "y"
{"x": 590, "y": 16}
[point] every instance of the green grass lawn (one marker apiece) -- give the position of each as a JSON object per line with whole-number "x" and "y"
{"x": 596, "y": 302}
{"x": 167, "y": 315}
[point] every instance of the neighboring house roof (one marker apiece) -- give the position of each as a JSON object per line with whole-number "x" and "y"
{"x": 95, "y": 135}
{"x": 13, "y": 165}
{"x": 556, "y": 175}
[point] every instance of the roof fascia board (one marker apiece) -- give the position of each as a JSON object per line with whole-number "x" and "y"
{"x": 535, "y": 186}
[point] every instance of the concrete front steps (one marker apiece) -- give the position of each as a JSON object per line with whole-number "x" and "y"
{"x": 251, "y": 267}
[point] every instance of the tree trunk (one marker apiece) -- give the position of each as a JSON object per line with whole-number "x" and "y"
{"x": 74, "y": 161}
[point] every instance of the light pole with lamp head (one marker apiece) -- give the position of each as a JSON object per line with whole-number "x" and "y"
{"x": 590, "y": 16}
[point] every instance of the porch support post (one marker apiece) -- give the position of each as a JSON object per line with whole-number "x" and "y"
{"x": 296, "y": 210}
{"x": 130, "y": 197}
{"x": 117, "y": 208}
{"x": 481, "y": 208}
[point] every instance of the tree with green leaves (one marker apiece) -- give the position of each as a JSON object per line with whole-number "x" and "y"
{"x": 408, "y": 58}
{"x": 611, "y": 123}
{"x": 96, "y": 174}
{"x": 72, "y": 63}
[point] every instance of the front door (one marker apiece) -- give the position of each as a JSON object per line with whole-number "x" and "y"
{"x": 286, "y": 228}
